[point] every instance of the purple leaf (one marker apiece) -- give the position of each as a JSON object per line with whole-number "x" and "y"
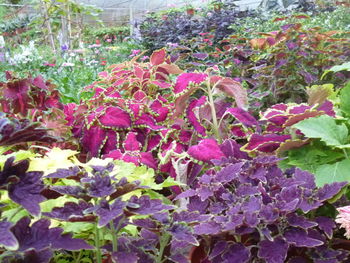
{"x": 42, "y": 256}
{"x": 238, "y": 252}
{"x": 39, "y": 236}
{"x": 209, "y": 228}
{"x": 201, "y": 56}
{"x": 273, "y": 251}
{"x": 330, "y": 190}
{"x": 206, "y": 150}
{"x": 299, "y": 238}
{"x": 125, "y": 257}
{"x": 218, "y": 249}
{"x": 7, "y": 238}
{"x": 228, "y": 173}
{"x": 107, "y": 212}
{"x": 326, "y": 224}
{"x": 69, "y": 210}
{"x": 146, "y": 206}
{"x": 183, "y": 233}
{"x": 300, "y": 221}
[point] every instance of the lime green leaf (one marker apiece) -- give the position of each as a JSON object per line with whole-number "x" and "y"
{"x": 325, "y": 128}
{"x": 47, "y": 205}
{"x": 329, "y": 173}
{"x": 19, "y": 156}
{"x": 345, "y": 99}
{"x": 54, "y": 159}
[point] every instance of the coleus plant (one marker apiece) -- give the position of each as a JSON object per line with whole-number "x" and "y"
{"x": 277, "y": 66}
{"x": 35, "y": 99}
{"x": 327, "y": 153}
{"x": 258, "y": 213}
{"x": 95, "y": 194}
{"x": 138, "y": 113}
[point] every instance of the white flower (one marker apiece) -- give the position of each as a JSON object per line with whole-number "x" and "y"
{"x": 67, "y": 64}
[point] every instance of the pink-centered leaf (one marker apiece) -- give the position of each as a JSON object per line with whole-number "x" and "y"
{"x": 206, "y": 150}
{"x": 183, "y": 81}
{"x": 265, "y": 143}
{"x": 243, "y": 116}
{"x": 193, "y": 117}
{"x": 115, "y": 117}
{"x": 93, "y": 140}
{"x": 158, "y": 57}
{"x": 131, "y": 144}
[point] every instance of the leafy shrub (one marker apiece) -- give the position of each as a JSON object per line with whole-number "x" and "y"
{"x": 267, "y": 64}
{"x": 255, "y": 211}
{"x": 174, "y": 27}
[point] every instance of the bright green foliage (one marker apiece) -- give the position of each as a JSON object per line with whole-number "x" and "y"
{"x": 337, "y": 172}
{"x": 345, "y": 99}
{"x": 325, "y": 128}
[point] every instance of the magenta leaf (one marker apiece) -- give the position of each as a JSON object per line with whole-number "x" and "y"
{"x": 193, "y": 117}
{"x": 243, "y": 116}
{"x": 131, "y": 143}
{"x": 115, "y": 117}
{"x": 93, "y": 140}
{"x": 206, "y": 150}
{"x": 265, "y": 143}
{"x": 183, "y": 81}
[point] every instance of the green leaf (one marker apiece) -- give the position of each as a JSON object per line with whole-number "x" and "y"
{"x": 325, "y": 128}
{"x": 329, "y": 173}
{"x": 343, "y": 67}
{"x": 311, "y": 156}
{"x": 345, "y": 99}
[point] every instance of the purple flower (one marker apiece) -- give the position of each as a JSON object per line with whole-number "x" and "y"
{"x": 64, "y": 47}
{"x": 135, "y": 52}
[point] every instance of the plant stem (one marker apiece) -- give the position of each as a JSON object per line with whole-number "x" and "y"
{"x": 164, "y": 240}
{"x": 213, "y": 113}
{"x": 114, "y": 236}
{"x": 345, "y": 153}
{"x": 97, "y": 245}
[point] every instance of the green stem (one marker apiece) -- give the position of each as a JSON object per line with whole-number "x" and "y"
{"x": 163, "y": 243}
{"x": 97, "y": 245}
{"x": 345, "y": 153}
{"x": 114, "y": 236}
{"x": 77, "y": 260}
{"x": 213, "y": 113}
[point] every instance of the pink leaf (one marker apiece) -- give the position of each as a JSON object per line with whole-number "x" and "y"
{"x": 131, "y": 144}
{"x": 93, "y": 140}
{"x": 147, "y": 159}
{"x": 265, "y": 143}
{"x": 115, "y": 117}
{"x": 185, "y": 79}
{"x": 243, "y": 116}
{"x": 193, "y": 119}
{"x": 206, "y": 150}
